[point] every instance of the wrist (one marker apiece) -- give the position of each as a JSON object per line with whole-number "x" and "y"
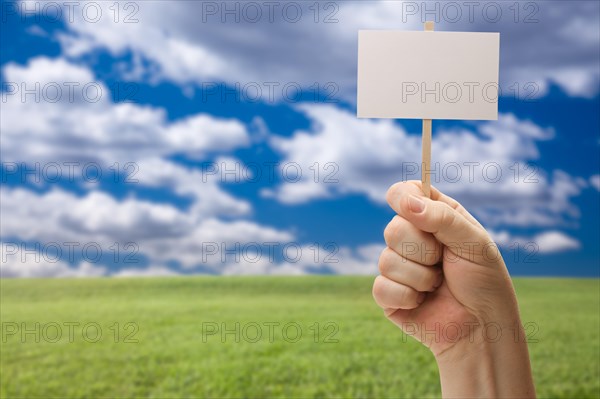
{"x": 494, "y": 362}
{"x": 467, "y": 370}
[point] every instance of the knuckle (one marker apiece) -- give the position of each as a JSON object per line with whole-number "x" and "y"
{"x": 414, "y": 295}
{"x": 385, "y": 262}
{"x": 378, "y": 289}
{"x": 393, "y": 193}
{"x": 432, "y": 253}
{"x": 391, "y": 233}
{"x": 407, "y": 297}
{"x": 428, "y": 279}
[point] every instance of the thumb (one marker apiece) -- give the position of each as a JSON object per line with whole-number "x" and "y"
{"x": 461, "y": 236}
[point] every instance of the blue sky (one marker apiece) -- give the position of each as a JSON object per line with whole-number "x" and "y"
{"x": 162, "y": 116}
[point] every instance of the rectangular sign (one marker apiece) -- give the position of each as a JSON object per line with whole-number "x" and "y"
{"x": 428, "y": 75}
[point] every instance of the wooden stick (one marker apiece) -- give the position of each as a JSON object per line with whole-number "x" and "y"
{"x": 426, "y": 157}
{"x": 426, "y": 144}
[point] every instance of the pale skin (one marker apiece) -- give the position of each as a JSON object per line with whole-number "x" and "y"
{"x": 444, "y": 282}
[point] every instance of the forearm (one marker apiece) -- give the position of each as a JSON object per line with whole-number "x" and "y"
{"x": 488, "y": 368}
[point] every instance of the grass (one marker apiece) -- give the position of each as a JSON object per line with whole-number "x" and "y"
{"x": 371, "y": 358}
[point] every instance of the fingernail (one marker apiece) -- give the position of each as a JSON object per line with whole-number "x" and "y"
{"x": 421, "y": 298}
{"x": 415, "y": 204}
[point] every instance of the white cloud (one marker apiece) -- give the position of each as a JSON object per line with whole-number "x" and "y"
{"x": 36, "y": 30}
{"x": 163, "y": 234}
{"x": 63, "y": 217}
{"x": 21, "y": 260}
{"x": 185, "y": 43}
{"x": 555, "y": 241}
{"x": 488, "y": 168}
{"x": 201, "y": 185}
{"x": 89, "y": 127}
{"x": 312, "y": 259}
{"x": 595, "y": 182}
{"x": 102, "y": 132}
{"x": 160, "y": 231}
{"x": 304, "y": 260}
{"x": 76, "y": 130}
{"x": 547, "y": 242}
{"x": 362, "y": 260}
{"x": 368, "y": 155}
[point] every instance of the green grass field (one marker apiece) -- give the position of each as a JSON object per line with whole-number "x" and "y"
{"x": 356, "y": 352}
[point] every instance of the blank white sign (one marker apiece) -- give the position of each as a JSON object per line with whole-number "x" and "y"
{"x": 428, "y": 75}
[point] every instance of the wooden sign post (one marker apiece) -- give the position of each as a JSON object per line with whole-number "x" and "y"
{"x": 426, "y": 144}
{"x": 428, "y": 75}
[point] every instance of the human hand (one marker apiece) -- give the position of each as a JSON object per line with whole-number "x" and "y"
{"x": 443, "y": 281}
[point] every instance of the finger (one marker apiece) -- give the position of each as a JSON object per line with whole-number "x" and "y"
{"x": 437, "y": 195}
{"x": 414, "y": 187}
{"x": 389, "y": 294}
{"x": 409, "y": 273}
{"x": 414, "y": 244}
{"x": 462, "y": 237}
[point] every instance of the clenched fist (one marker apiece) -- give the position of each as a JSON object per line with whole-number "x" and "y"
{"x": 444, "y": 282}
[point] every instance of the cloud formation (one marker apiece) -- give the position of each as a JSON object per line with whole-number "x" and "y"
{"x": 542, "y": 42}
{"x": 489, "y": 167}
{"x": 76, "y": 120}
